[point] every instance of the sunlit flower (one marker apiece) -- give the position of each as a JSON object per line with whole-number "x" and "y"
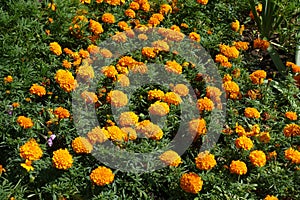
{"x": 172, "y": 98}
{"x": 194, "y": 36}
{"x": 292, "y": 155}
{"x": 244, "y": 143}
{"x": 82, "y": 145}
{"x": 38, "y": 90}
{"x": 55, "y": 48}
{"x": 165, "y": 9}
{"x": 159, "y": 108}
{"x": 108, "y": 18}
{"x": 260, "y": 44}
{"x": 117, "y": 98}
{"x": 205, "y": 161}
{"x": 96, "y": 27}
{"x": 291, "y": 130}
{"x": 130, "y": 13}
{"x": 235, "y": 26}
{"x": 181, "y": 90}
{"x": 232, "y": 89}
{"x": 149, "y": 52}
{"x": 98, "y": 134}
{"x": 230, "y": 52}
{"x": 197, "y": 127}
{"x": 252, "y": 113}
{"x": 61, "y": 113}
{"x": 258, "y": 76}
{"x": 62, "y": 159}
{"x": 258, "y": 158}
{"x": 291, "y": 115}
{"x": 66, "y": 80}
{"x": 130, "y": 132}
{"x": 25, "y": 122}
{"x": 27, "y": 165}
{"x": 31, "y": 150}
{"x": 155, "y": 94}
{"x": 128, "y": 119}
{"x": 203, "y": 2}
{"x": 170, "y": 158}
{"x": 102, "y": 176}
{"x": 89, "y": 97}
{"x": 238, "y": 167}
{"x": 116, "y": 134}
{"x": 241, "y": 45}
{"x": 173, "y": 66}
{"x": 149, "y": 129}
{"x": 205, "y": 104}
{"x": 8, "y": 79}
{"x": 270, "y": 197}
{"x": 191, "y": 182}
{"x": 264, "y": 137}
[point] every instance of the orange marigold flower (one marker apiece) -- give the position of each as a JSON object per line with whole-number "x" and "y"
{"x": 260, "y": 44}
{"x": 149, "y": 52}
{"x": 128, "y": 119}
{"x": 62, "y": 159}
{"x": 8, "y": 79}
{"x": 184, "y": 25}
{"x": 130, "y": 13}
{"x": 61, "y": 113}
{"x": 66, "y": 64}
{"x": 205, "y": 161}
{"x": 2, "y": 169}
{"x": 102, "y": 176}
{"x": 159, "y": 108}
{"x": 123, "y": 25}
{"x": 161, "y": 45}
{"x": 173, "y": 66}
{"x": 227, "y": 77}
{"x": 272, "y": 155}
{"x": 270, "y": 197}
{"x": 158, "y": 16}
{"x": 291, "y": 130}
{"x": 85, "y": 1}
{"x": 230, "y": 52}
{"x": 258, "y": 158}
{"x": 194, "y": 36}
{"x": 98, "y": 134}
{"x": 170, "y": 158}
{"x": 99, "y": 1}
{"x": 149, "y": 129}
{"x": 114, "y": 2}
{"x": 89, "y": 97}
{"x": 66, "y": 80}
{"x": 109, "y": 71}
{"x": 264, "y": 137}
{"x": 232, "y": 89}
{"x": 203, "y": 2}
{"x": 235, "y": 26}
{"x": 82, "y": 145}
{"x": 106, "y": 53}
{"x": 291, "y": 115}
{"x": 108, "y": 18}
{"x": 25, "y": 122}
{"x": 238, "y": 167}
{"x": 130, "y": 132}
{"x": 142, "y": 37}
{"x": 292, "y": 155}
{"x": 258, "y": 76}
{"x": 145, "y": 6}
{"x": 55, "y": 48}
{"x": 153, "y": 21}
{"x": 155, "y": 94}
{"x": 119, "y": 37}
{"x": 96, "y": 27}
{"x": 15, "y": 104}
{"x": 197, "y": 127}
{"x": 85, "y": 72}
{"x": 31, "y": 150}
{"x": 165, "y": 9}
{"x": 116, "y": 134}
{"x": 244, "y": 143}
{"x": 134, "y": 6}
{"x": 241, "y": 45}
{"x": 93, "y": 49}
{"x": 252, "y": 113}
{"x": 205, "y": 104}
{"x": 240, "y": 130}
{"x": 191, "y": 182}
{"x": 123, "y": 80}
{"x": 221, "y": 58}
{"x": 226, "y": 64}
{"x": 117, "y": 98}
{"x": 172, "y": 98}
{"x": 181, "y": 90}
{"x": 38, "y": 90}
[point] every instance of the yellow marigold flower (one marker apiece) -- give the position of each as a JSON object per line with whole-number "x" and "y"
{"x": 128, "y": 119}
{"x": 96, "y": 27}
{"x": 85, "y": 1}
{"x": 130, "y": 132}
{"x": 235, "y": 26}
{"x": 98, "y": 134}
{"x": 84, "y": 53}
{"x": 260, "y": 44}
{"x": 271, "y": 155}
{"x": 291, "y": 130}
{"x": 176, "y": 28}
{"x": 155, "y": 94}
{"x": 66, "y": 64}
{"x": 252, "y": 113}
{"x": 27, "y": 165}
{"x": 119, "y": 37}
{"x": 241, "y": 45}
{"x": 254, "y": 94}
{"x": 203, "y": 2}
{"x": 264, "y": 137}
{"x": 205, "y": 161}
{"x": 8, "y": 79}
{"x": 230, "y": 52}
{"x": 117, "y": 98}
{"x": 227, "y": 77}
{"x": 123, "y": 25}
{"x": 270, "y": 197}
{"x": 52, "y": 6}
{"x": 25, "y": 122}
{"x": 159, "y": 108}
{"x": 149, "y": 129}
{"x": 240, "y": 130}
{"x": 194, "y": 36}
{"x": 197, "y": 127}
{"x": 89, "y": 97}
{"x": 31, "y": 150}
{"x": 181, "y": 90}
{"x": 221, "y": 58}
{"x": 2, "y": 169}
{"x": 191, "y": 182}
{"x": 105, "y": 53}
{"x": 61, "y": 113}
{"x": 170, "y": 158}
{"x": 184, "y": 25}
{"x": 93, "y": 49}
{"x": 158, "y": 16}
{"x": 258, "y": 158}
{"x": 292, "y": 155}
{"x": 244, "y": 143}
{"x": 116, "y": 134}
{"x": 149, "y": 52}
{"x": 145, "y": 6}
{"x": 130, "y": 13}
{"x": 161, "y": 45}
{"x": 102, "y": 176}
{"x": 99, "y": 1}
{"x": 226, "y": 64}
{"x": 143, "y": 37}
{"x": 114, "y": 2}
{"x": 172, "y": 98}
{"x": 123, "y": 80}
{"x": 85, "y": 72}
{"x": 255, "y": 130}
{"x": 205, "y": 104}
{"x": 38, "y": 90}
{"x": 291, "y": 115}
{"x": 109, "y": 71}
{"x": 55, "y": 48}
{"x": 153, "y": 21}
{"x": 139, "y": 67}
{"x": 66, "y": 80}
{"x": 81, "y": 145}
{"x": 213, "y": 92}
{"x": 134, "y": 6}
{"x": 232, "y": 89}
{"x": 258, "y": 76}
{"x": 173, "y": 66}
{"x": 108, "y": 18}
{"x": 165, "y": 9}
{"x": 62, "y": 159}
{"x": 238, "y": 167}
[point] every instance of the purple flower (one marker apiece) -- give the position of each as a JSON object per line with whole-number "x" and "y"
{"x": 50, "y": 140}
{"x": 10, "y": 109}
